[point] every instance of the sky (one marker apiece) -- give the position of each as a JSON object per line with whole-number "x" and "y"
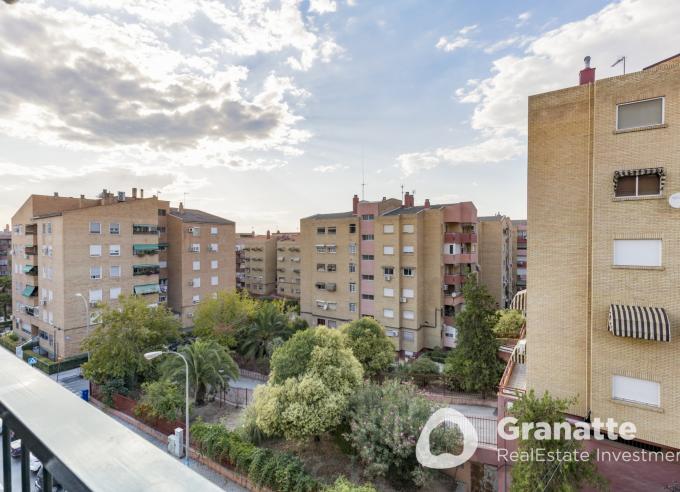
{"x": 264, "y": 112}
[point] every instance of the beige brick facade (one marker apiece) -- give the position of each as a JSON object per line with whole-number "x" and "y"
{"x": 573, "y": 220}
{"x": 495, "y": 257}
{"x": 519, "y": 255}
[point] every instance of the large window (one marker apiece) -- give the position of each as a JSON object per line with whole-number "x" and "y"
{"x": 95, "y": 272}
{"x": 114, "y": 293}
{"x": 408, "y": 228}
{"x": 95, "y": 249}
{"x": 388, "y": 313}
{"x": 95, "y": 228}
{"x": 114, "y": 228}
{"x": 638, "y": 252}
{"x": 640, "y": 114}
{"x": 388, "y": 228}
{"x": 387, "y": 292}
{"x": 636, "y": 390}
{"x": 196, "y": 265}
{"x": 388, "y": 250}
{"x": 639, "y": 182}
{"x": 114, "y": 250}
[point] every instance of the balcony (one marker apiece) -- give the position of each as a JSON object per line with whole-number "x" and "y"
{"x": 31, "y": 229}
{"x": 144, "y": 249}
{"x": 450, "y": 320}
{"x": 460, "y": 237}
{"x": 93, "y": 452}
{"x": 144, "y": 229}
{"x": 31, "y": 250}
{"x": 453, "y": 299}
{"x": 31, "y": 270}
{"x": 456, "y": 279}
{"x": 460, "y": 258}
{"x": 145, "y": 270}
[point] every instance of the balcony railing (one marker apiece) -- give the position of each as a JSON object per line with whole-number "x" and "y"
{"x": 460, "y": 237}
{"x": 144, "y": 229}
{"x": 31, "y": 250}
{"x": 92, "y": 453}
{"x": 460, "y": 258}
{"x": 455, "y": 279}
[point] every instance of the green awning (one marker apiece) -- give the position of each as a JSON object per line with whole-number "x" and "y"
{"x": 147, "y": 289}
{"x": 147, "y": 266}
{"x": 29, "y": 291}
{"x": 144, "y": 247}
{"x": 28, "y": 268}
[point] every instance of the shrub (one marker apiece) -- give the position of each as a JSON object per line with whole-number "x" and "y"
{"x": 9, "y": 341}
{"x": 437, "y": 354}
{"x": 162, "y": 399}
{"x": 344, "y": 485}
{"x": 509, "y": 324}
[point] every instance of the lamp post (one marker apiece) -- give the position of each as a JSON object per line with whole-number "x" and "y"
{"x": 153, "y": 355}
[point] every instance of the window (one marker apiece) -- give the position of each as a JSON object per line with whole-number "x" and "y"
{"x": 213, "y": 264}
{"x": 114, "y": 293}
{"x": 408, "y": 249}
{"x": 163, "y": 264}
{"x": 408, "y": 293}
{"x": 406, "y": 314}
{"x": 352, "y": 228}
{"x": 352, "y": 249}
{"x": 408, "y": 228}
{"x": 320, "y": 285}
{"x": 331, "y": 267}
{"x": 388, "y": 250}
{"x": 388, "y": 270}
{"x": 332, "y": 323}
{"x": 161, "y": 212}
{"x": 388, "y": 228}
{"x": 367, "y": 237}
{"x": 49, "y": 228}
{"x": 114, "y": 250}
{"x": 196, "y": 265}
{"x": 367, "y": 296}
{"x": 388, "y": 313}
{"x": 352, "y": 287}
{"x": 352, "y": 307}
{"x": 196, "y": 299}
{"x": 213, "y": 231}
{"x": 195, "y": 248}
{"x": 637, "y": 252}
{"x": 368, "y": 217}
{"x": 367, "y": 257}
{"x": 196, "y": 282}
{"x": 214, "y": 280}
{"x": 320, "y": 267}
{"x": 114, "y": 228}
{"x": 214, "y": 247}
{"x": 352, "y": 267}
{"x": 640, "y": 114}
{"x": 114, "y": 271}
{"x": 331, "y": 248}
{"x": 320, "y": 248}
{"x": 408, "y": 272}
{"x": 388, "y": 292}
{"x": 321, "y": 230}
{"x": 95, "y": 228}
{"x": 640, "y": 182}
{"x": 195, "y": 231}
{"x": 95, "y": 249}
{"x": 408, "y": 336}
{"x": 367, "y": 277}
{"x": 331, "y": 230}
{"x": 95, "y": 295}
{"x": 636, "y": 390}
{"x": 95, "y": 272}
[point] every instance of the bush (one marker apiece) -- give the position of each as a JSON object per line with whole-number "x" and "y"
{"x": 9, "y": 341}
{"x": 509, "y": 324}
{"x": 161, "y": 399}
{"x": 281, "y": 472}
{"x": 51, "y": 367}
{"x": 437, "y": 354}
{"x": 344, "y": 485}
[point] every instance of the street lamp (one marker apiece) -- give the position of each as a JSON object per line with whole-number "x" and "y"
{"x": 153, "y": 355}
{"x": 87, "y": 320}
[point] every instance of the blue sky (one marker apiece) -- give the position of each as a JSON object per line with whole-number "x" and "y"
{"x": 263, "y": 111}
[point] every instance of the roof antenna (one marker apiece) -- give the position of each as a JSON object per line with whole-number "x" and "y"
{"x": 363, "y": 176}
{"x": 402, "y": 193}
{"x": 622, "y": 59}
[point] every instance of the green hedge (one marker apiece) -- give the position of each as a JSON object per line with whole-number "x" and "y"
{"x": 9, "y": 341}
{"x": 50, "y": 367}
{"x": 281, "y": 472}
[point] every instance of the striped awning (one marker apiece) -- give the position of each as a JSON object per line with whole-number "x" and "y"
{"x": 519, "y": 302}
{"x": 641, "y": 172}
{"x": 147, "y": 289}
{"x": 646, "y": 323}
{"x": 519, "y": 354}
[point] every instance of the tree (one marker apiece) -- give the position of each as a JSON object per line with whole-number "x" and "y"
{"x": 550, "y": 475}
{"x": 127, "y": 331}
{"x": 268, "y": 329}
{"x": 222, "y": 317}
{"x": 162, "y": 399}
{"x": 473, "y": 365}
{"x": 210, "y": 367}
{"x": 385, "y": 424}
{"x": 509, "y": 323}
{"x": 313, "y": 375}
{"x": 5, "y": 295}
{"x": 367, "y": 340}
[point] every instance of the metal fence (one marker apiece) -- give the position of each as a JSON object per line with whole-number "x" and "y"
{"x": 253, "y": 375}
{"x": 486, "y": 428}
{"x": 240, "y": 397}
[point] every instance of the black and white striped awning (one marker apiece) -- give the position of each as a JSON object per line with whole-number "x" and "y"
{"x": 519, "y": 302}
{"x": 647, "y": 323}
{"x": 641, "y": 172}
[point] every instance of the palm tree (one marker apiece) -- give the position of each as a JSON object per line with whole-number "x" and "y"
{"x": 268, "y": 329}
{"x": 210, "y": 367}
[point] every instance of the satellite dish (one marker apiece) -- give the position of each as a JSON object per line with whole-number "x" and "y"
{"x": 674, "y": 200}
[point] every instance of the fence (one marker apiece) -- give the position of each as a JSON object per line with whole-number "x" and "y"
{"x": 240, "y": 397}
{"x": 253, "y": 375}
{"x": 486, "y": 428}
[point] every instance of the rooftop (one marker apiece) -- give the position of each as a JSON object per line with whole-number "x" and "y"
{"x": 337, "y": 215}
{"x": 198, "y": 216}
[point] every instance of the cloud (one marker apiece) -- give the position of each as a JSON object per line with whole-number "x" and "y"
{"x": 452, "y": 43}
{"x": 490, "y": 150}
{"x": 322, "y": 6}
{"x": 331, "y": 168}
{"x": 523, "y": 18}
{"x": 519, "y": 40}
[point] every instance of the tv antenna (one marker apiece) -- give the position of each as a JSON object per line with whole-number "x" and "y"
{"x": 621, "y": 59}
{"x": 363, "y": 175}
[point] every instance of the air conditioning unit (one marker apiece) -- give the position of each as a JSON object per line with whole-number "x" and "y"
{"x": 402, "y": 299}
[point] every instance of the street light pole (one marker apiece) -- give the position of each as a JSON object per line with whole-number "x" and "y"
{"x": 153, "y": 355}
{"x": 87, "y": 319}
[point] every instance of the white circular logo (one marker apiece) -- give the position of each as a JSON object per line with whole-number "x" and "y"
{"x": 446, "y": 460}
{"x": 674, "y": 200}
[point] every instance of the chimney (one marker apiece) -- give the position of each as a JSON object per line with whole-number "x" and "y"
{"x": 269, "y": 234}
{"x": 427, "y": 203}
{"x": 134, "y": 192}
{"x": 355, "y": 204}
{"x": 587, "y": 75}
{"x": 56, "y": 194}
{"x": 181, "y": 208}
{"x": 141, "y": 193}
{"x": 408, "y": 200}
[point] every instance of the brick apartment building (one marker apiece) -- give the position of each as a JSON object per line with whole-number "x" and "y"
{"x": 519, "y": 255}
{"x": 400, "y": 263}
{"x": 269, "y": 264}
{"x": 99, "y": 248}
{"x": 603, "y": 301}
{"x": 495, "y": 257}
{"x": 5, "y": 251}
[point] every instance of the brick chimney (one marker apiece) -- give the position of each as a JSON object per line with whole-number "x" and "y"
{"x": 587, "y": 75}
{"x": 355, "y": 204}
{"x": 427, "y": 203}
{"x": 134, "y": 192}
{"x": 141, "y": 193}
{"x": 269, "y": 234}
{"x": 181, "y": 208}
{"x": 408, "y": 200}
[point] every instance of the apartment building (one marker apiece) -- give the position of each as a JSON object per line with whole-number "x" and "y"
{"x": 519, "y": 255}
{"x": 288, "y": 266}
{"x": 604, "y": 302}
{"x": 201, "y": 259}
{"x": 258, "y": 263}
{"x": 5, "y": 251}
{"x": 400, "y": 263}
{"x": 494, "y": 238}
